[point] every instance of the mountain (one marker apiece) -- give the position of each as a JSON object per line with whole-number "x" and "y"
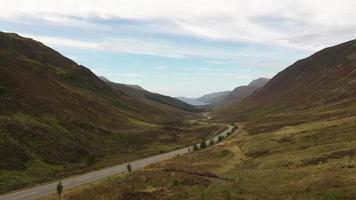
{"x": 192, "y": 101}
{"x": 218, "y": 100}
{"x": 128, "y": 85}
{"x": 295, "y": 140}
{"x": 205, "y": 99}
{"x": 240, "y": 93}
{"x": 56, "y": 115}
{"x": 136, "y": 91}
{"x": 323, "y": 82}
{"x": 258, "y": 83}
{"x": 214, "y": 97}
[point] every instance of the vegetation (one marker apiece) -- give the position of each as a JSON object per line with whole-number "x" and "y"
{"x": 203, "y": 144}
{"x": 58, "y": 119}
{"x": 195, "y": 147}
{"x": 308, "y": 161}
{"x": 59, "y": 189}
{"x": 91, "y": 159}
{"x": 172, "y": 101}
{"x": 296, "y": 140}
{"x": 129, "y": 168}
{"x": 174, "y": 183}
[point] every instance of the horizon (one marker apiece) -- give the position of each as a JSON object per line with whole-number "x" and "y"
{"x": 183, "y": 49}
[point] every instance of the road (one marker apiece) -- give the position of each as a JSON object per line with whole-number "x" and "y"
{"x": 68, "y": 183}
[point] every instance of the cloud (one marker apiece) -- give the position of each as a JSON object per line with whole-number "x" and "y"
{"x": 127, "y": 45}
{"x": 301, "y": 24}
{"x": 147, "y": 46}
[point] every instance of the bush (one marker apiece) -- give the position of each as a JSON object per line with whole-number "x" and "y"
{"x": 203, "y": 144}
{"x": 129, "y": 168}
{"x": 91, "y": 159}
{"x": 59, "y": 188}
{"x": 211, "y": 142}
{"x": 220, "y": 138}
{"x": 227, "y": 196}
{"x": 195, "y": 147}
{"x": 13, "y": 155}
{"x": 174, "y": 183}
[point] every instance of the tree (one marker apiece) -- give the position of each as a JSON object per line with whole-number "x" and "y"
{"x": 59, "y": 189}
{"x": 195, "y": 147}
{"x": 211, "y": 142}
{"x": 129, "y": 168}
{"x": 203, "y": 144}
{"x": 220, "y": 138}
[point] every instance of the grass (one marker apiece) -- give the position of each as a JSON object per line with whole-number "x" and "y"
{"x": 142, "y": 123}
{"x": 36, "y": 170}
{"x": 312, "y": 160}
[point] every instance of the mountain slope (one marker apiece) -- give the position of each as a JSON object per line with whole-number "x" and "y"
{"x": 57, "y": 116}
{"x": 206, "y": 99}
{"x": 135, "y": 91}
{"x": 322, "y": 84}
{"x": 213, "y": 98}
{"x": 219, "y": 100}
{"x": 192, "y": 101}
{"x": 240, "y": 93}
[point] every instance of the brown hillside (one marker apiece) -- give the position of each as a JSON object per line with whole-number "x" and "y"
{"x": 325, "y": 81}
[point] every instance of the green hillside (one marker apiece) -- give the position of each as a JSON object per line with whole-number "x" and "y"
{"x": 57, "y": 118}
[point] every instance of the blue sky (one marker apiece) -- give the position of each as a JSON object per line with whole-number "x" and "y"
{"x": 183, "y": 48}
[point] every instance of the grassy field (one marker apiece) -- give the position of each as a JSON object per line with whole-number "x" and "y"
{"x": 154, "y": 140}
{"x": 312, "y": 160}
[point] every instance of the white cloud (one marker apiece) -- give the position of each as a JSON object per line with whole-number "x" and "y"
{"x": 156, "y": 47}
{"x": 305, "y": 24}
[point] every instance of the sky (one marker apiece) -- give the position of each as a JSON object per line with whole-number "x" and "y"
{"x": 183, "y": 47}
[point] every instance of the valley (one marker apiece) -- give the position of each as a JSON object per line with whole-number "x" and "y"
{"x": 47, "y": 189}
{"x": 295, "y": 140}
{"x": 58, "y": 119}
{"x": 68, "y": 133}
{"x": 299, "y": 162}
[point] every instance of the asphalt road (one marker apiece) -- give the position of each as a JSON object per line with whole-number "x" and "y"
{"x": 50, "y": 188}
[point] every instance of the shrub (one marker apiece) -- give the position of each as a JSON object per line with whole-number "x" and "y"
{"x": 13, "y": 155}
{"x": 174, "y": 183}
{"x": 203, "y": 144}
{"x": 129, "y": 168}
{"x": 220, "y": 138}
{"x": 211, "y": 142}
{"x": 91, "y": 159}
{"x": 195, "y": 147}
{"x": 59, "y": 188}
{"x": 227, "y": 196}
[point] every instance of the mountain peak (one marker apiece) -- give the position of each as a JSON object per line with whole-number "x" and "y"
{"x": 260, "y": 82}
